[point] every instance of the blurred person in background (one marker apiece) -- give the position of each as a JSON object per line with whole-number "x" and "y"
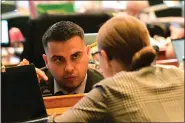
{"x": 16, "y": 37}
{"x": 16, "y": 40}
{"x": 135, "y": 7}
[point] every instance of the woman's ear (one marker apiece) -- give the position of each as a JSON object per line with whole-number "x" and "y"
{"x": 107, "y": 62}
{"x": 45, "y": 59}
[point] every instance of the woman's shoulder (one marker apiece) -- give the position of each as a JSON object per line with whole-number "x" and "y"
{"x": 127, "y": 78}
{"x": 114, "y": 82}
{"x": 169, "y": 68}
{"x": 105, "y": 82}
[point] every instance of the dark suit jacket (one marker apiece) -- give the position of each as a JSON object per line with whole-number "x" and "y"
{"x": 47, "y": 87}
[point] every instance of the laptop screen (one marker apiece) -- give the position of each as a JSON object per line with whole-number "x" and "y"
{"x": 21, "y": 99}
{"x": 178, "y": 45}
{"x": 5, "y": 36}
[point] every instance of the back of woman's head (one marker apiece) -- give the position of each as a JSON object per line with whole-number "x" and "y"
{"x": 126, "y": 39}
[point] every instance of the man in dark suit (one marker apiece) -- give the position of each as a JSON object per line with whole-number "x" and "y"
{"x": 66, "y": 58}
{"x": 48, "y": 87}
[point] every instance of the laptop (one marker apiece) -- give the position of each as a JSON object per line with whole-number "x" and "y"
{"x": 90, "y": 38}
{"x": 178, "y": 45}
{"x": 21, "y": 99}
{"x": 5, "y": 42}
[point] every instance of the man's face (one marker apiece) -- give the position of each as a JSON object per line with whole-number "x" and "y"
{"x": 67, "y": 61}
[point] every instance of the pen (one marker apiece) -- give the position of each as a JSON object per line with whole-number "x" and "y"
{"x": 43, "y": 68}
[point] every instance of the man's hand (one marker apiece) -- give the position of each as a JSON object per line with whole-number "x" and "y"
{"x": 24, "y": 62}
{"x": 40, "y": 74}
{"x": 3, "y": 69}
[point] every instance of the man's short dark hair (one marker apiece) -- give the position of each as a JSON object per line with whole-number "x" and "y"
{"x": 62, "y": 31}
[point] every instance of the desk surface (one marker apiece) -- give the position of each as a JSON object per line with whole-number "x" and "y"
{"x": 56, "y": 111}
{"x": 179, "y": 20}
{"x": 173, "y": 62}
{"x": 59, "y": 104}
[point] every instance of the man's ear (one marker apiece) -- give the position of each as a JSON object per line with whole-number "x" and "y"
{"x": 88, "y": 50}
{"x": 45, "y": 59}
{"x": 107, "y": 62}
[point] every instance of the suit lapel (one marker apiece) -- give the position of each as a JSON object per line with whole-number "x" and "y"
{"x": 47, "y": 88}
{"x": 93, "y": 77}
{"x": 89, "y": 82}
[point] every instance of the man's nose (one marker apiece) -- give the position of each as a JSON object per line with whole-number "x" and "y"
{"x": 69, "y": 67}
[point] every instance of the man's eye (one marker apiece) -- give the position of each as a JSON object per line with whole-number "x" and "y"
{"x": 59, "y": 60}
{"x": 75, "y": 56}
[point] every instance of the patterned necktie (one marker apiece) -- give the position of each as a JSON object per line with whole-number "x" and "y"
{"x": 59, "y": 93}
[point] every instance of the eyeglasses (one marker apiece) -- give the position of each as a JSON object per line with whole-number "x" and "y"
{"x": 96, "y": 53}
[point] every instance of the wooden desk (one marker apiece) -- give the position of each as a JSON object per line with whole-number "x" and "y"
{"x": 59, "y": 104}
{"x": 168, "y": 62}
{"x": 8, "y": 56}
{"x": 162, "y": 54}
{"x": 179, "y": 20}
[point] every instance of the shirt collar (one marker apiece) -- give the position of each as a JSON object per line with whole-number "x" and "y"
{"x": 79, "y": 90}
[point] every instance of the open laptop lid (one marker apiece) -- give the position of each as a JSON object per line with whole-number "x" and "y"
{"x": 21, "y": 97}
{"x": 178, "y": 45}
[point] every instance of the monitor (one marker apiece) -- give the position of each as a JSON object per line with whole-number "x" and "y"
{"x": 4, "y": 33}
{"x": 90, "y": 38}
{"x": 21, "y": 99}
{"x": 155, "y": 2}
{"x": 173, "y": 11}
{"x": 178, "y": 45}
